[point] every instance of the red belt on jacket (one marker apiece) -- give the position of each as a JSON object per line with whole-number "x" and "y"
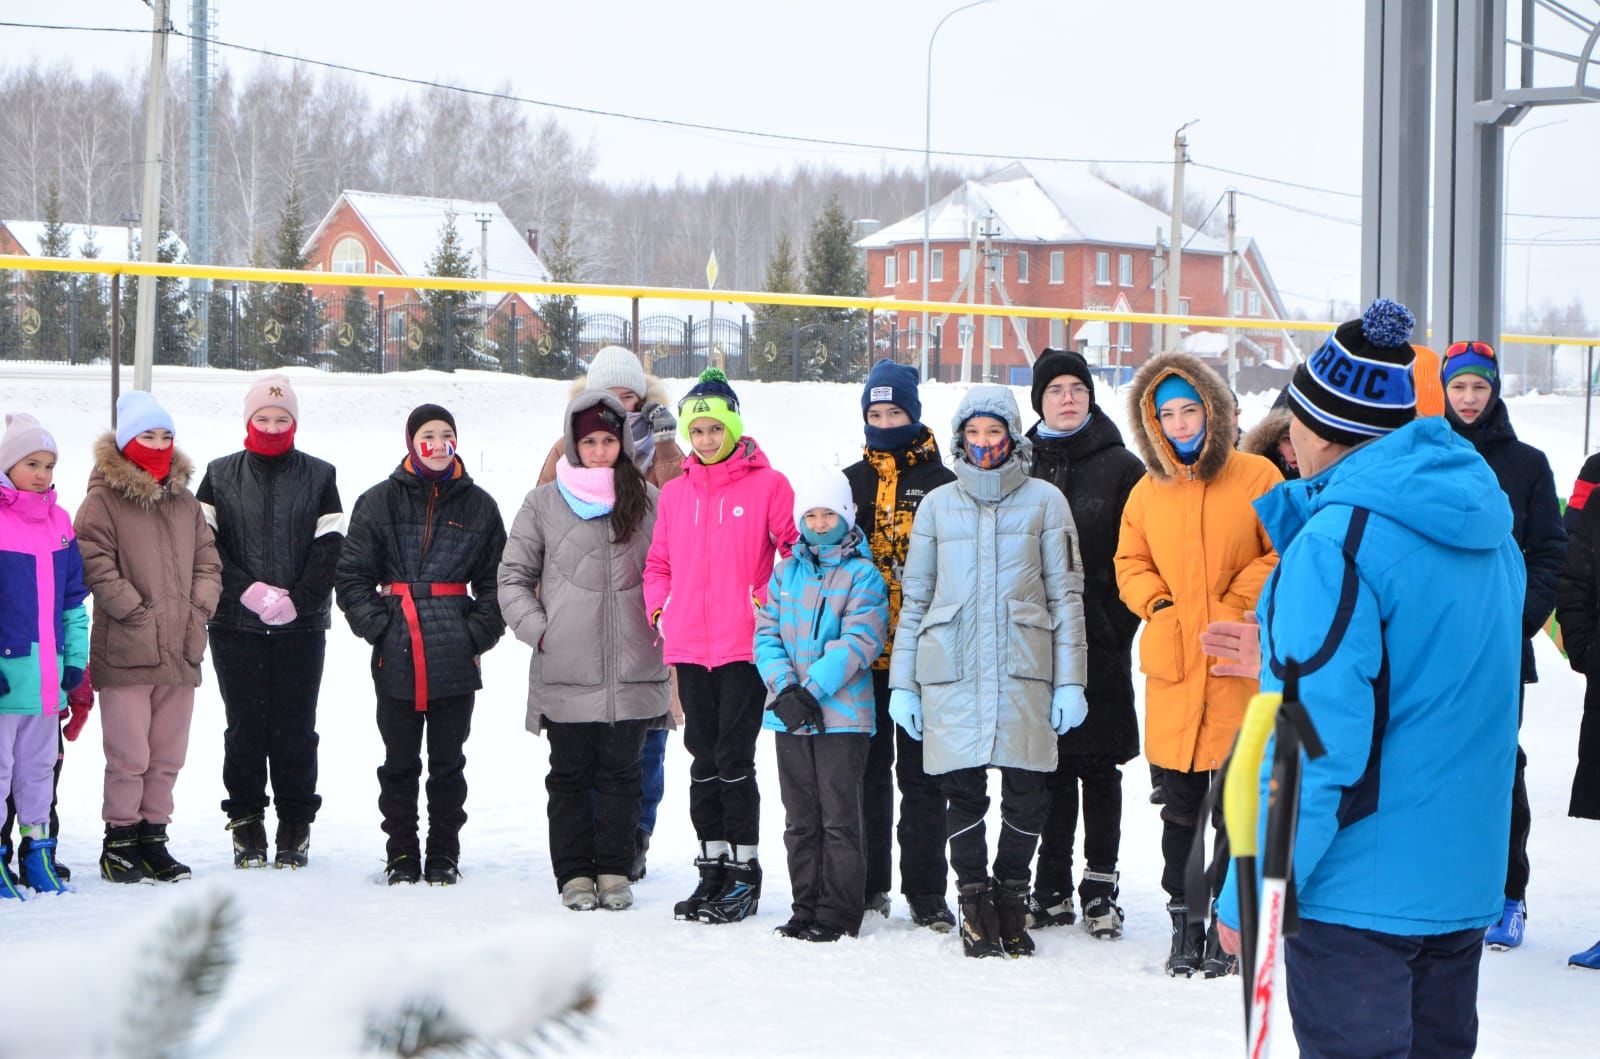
{"x": 409, "y": 593}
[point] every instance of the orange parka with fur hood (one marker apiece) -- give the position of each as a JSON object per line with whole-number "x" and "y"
{"x": 1189, "y": 534}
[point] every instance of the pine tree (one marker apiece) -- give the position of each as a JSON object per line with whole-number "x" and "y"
{"x": 557, "y": 347}
{"x": 772, "y": 358}
{"x": 832, "y": 267}
{"x": 356, "y": 334}
{"x": 94, "y": 309}
{"x": 444, "y": 308}
{"x": 10, "y": 330}
{"x": 50, "y": 293}
{"x": 286, "y": 316}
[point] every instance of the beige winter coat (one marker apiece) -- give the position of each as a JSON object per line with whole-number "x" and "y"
{"x": 151, "y": 562}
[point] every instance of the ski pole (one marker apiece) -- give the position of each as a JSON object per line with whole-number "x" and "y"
{"x": 1241, "y": 810}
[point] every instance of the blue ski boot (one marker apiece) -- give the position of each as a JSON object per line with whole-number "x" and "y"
{"x": 1507, "y": 934}
{"x": 36, "y": 863}
{"x": 8, "y": 885}
{"x": 1589, "y": 958}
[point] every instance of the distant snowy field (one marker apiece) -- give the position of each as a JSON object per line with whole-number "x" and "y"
{"x": 669, "y": 987}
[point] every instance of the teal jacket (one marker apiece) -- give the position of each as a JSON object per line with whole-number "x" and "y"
{"x": 1399, "y": 593}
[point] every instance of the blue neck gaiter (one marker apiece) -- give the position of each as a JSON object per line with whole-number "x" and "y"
{"x": 840, "y": 530}
{"x": 1046, "y": 432}
{"x": 1189, "y": 451}
{"x": 892, "y": 439}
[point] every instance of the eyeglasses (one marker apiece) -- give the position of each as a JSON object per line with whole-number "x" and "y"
{"x": 1482, "y": 349}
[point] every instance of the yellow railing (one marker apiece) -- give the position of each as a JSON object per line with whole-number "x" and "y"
{"x": 393, "y": 282}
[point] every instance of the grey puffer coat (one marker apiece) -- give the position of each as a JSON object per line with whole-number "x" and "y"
{"x": 577, "y": 598}
{"x": 992, "y": 617}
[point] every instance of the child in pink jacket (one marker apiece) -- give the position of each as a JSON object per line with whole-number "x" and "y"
{"x": 718, "y": 527}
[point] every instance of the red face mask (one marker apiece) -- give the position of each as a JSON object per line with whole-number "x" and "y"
{"x": 157, "y": 463}
{"x": 261, "y": 443}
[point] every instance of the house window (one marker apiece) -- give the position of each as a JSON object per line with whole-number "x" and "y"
{"x": 1125, "y": 270}
{"x": 1022, "y": 266}
{"x": 911, "y": 266}
{"x": 1058, "y": 334}
{"x": 963, "y": 264}
{"x": 1237, "y": 308}
{"x": 964, "y": 335}
{"x": 889, "y": 268}
{"x": 1183, "y": 306}
{"x": 1123, "y": 331}
{"x": 936, "y": 266}
{"x": 997, "y": 332}
{"x": 349, "y": 255}
{"x": 1255, "y": 303}
{"x": 1102, "y": 268}
{"x": 1058, "y": 266}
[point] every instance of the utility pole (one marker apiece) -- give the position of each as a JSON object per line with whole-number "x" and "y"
{"x": 144, "y": 338}
{"x": 990, "y": 255}
{"x": 1158, "y": 280}
{"x": 971, "y": 279}
{"x": 483, "y": 220}
{"x": 1231, "y": 285}
{"x": 1180, "y": 157}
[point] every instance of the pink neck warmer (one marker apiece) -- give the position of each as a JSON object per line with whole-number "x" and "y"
{"x": 593, "y": 486}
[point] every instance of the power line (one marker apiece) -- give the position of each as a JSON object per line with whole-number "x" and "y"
{"x": 1300, "y": 209}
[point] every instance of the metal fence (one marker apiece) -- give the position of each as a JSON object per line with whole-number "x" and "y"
{"x": 67, "y": 318}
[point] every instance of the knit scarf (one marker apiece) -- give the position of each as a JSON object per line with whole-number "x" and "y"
{"x": 591, "y": 492}
{"x": 261, "y": 443}
{"x": 157, "y": 463}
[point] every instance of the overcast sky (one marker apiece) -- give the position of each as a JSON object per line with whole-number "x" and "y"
{"x": 1276, "y": 88}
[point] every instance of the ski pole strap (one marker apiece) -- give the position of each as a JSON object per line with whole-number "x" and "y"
{"x": 409, "y": 593}
{"x": 1202, "y": 882}
{"x": 1241, "y": 794}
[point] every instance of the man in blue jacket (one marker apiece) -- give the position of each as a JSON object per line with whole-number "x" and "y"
{"x": 1399, "y": 593}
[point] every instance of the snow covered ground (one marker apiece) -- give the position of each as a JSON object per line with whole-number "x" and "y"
{"x": 334, "y": 930}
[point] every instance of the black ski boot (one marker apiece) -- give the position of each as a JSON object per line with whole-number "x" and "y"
{"x": 980, "y": 923}
{"x": 930, "y": 910}
{"x": 159, "y": 864}
{"x": 120, "y": 860}
{"x": 441, "y": 870}
{"x": 1011, "y": 907}
{"x": 1188, "y": 944}
{"x": 712, "y": 862}
{"x": 795, "y": 928}
{"x": 249, "y": 841}
{"x": 1217, "y": 964}
{"x": 740, "y": 893}
{"x": 403, "y": 869}
{"x": 294, "y": 845}
{"x": 641, "y": 846}
{"x": 878, "y": 903}
{"x": 1102, "y": 917}
{"x": 1050, "y": 908}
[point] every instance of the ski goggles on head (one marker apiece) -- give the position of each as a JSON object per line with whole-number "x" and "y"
{"x": 707, "y": 405}
{"x": 1482, "y": 349}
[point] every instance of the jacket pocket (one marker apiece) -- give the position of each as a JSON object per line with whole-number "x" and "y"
{"x": 569, "y": 655}
{"x": 131, "y": 644}
{"x": 1030, "y": 653}
{"x": 1161, "y": 647}
{"x": 194, "y": 637}
{"x": 940, "y": 646}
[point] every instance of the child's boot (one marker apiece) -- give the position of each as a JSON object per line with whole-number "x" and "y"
{"x": 740, "y": 893}
{"x": 249, "y": 841}
{"x": 120, "y": 861}
{"x": 159, "y": 864}
{"x": 36, "y": 854}
{"x": 8, "y": 885}
{"x": 980, "y": 925}
{"x": 713, "y": 864}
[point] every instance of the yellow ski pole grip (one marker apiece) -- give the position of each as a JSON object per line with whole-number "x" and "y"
{"x": 1241, "y": 792}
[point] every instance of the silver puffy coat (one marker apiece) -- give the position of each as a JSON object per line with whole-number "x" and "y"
{"x": 992, "y": 618}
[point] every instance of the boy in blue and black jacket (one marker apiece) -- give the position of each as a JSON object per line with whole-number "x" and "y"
{"x": 825, "y": 621}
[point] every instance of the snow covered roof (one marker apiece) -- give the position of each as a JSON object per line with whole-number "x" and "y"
{"x": 111, "y": 240}
{"x": 407, "y": 226}
{"x": 1042, "y": 202}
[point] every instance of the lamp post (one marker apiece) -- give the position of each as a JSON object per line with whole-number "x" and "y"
{"x": 1505, "y": 226}
{"x": 1527, "y": 277}
{"x": 927, "y": 171}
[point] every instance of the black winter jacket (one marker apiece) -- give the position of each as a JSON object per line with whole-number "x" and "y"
{"x": 411, "y": 530}
{"x": 1578, "y": 611}
{"x": 1588, "y": 478}
{"x": 1529, "y": 485}
{"x": 278, "y": 520}
{"x": 1096, "y": 473}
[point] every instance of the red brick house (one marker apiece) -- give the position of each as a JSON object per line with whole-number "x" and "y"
{"x": 1063, "y": 237}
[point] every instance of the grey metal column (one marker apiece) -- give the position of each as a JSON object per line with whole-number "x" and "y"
{"x": 1467, "y": 184}
{"x": 1394, "y": 161}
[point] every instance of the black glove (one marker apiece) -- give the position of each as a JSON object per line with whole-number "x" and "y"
{"x": 796, "y": 708}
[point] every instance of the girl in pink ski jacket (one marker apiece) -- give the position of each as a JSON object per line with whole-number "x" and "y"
{"x": 718, "y": 528}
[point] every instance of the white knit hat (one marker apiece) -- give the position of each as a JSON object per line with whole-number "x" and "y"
{"x": 827, "y": 488}
{"x": 138, "y": 411}
{"x": 23, "y": 437}
{"x": 616, "y": 366}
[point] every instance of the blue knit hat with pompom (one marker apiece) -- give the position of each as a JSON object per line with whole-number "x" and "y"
{"x": 1358, "y": 386}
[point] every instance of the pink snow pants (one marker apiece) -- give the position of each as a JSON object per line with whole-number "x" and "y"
{"x": 146, "y": 733}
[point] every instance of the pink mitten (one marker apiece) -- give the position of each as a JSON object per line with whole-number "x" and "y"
{"x": 259, "y": 596}
{"x": 280, "y": 611}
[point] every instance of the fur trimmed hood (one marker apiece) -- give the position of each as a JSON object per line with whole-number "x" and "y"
{"x": 1262, "y": 439}
{"x": 655, "y": 391}
{"x": 1157, "y": 452}
{"x": 118, "y": 473}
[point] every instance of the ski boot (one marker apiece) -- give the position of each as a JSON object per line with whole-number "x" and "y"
{"x": 1188, "y": 944}
{"x": 1217, "y": 963}
{"x": 120, "y": 859}
{"x": 816, "y": 932}
{"x": 36, "y": 865}
{"x": 615, "y": 892}
{"x": 159, "y": 864}
{"x": 403, "y": 869}
{"x": 980, "y": 923}
{"x": 879, "y": 903}
{"x": 1588, "y": 959}
{"x": 712, "y": 862}
{"x": 441, "y": 870}
{"x": 740, "y": 894}
{"x": 1507, "y": 934}
{"x": 294, "y": 845}
{"x": 930, "y": 910}
{"x": 1011, "y": 907}
{"x": 1102, "y": 917}
{"x": 249, "y": 841}
{"x": 795, "y": 928}
{"x": 1050, "y": 908}
{"x": 8, "y": 885}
